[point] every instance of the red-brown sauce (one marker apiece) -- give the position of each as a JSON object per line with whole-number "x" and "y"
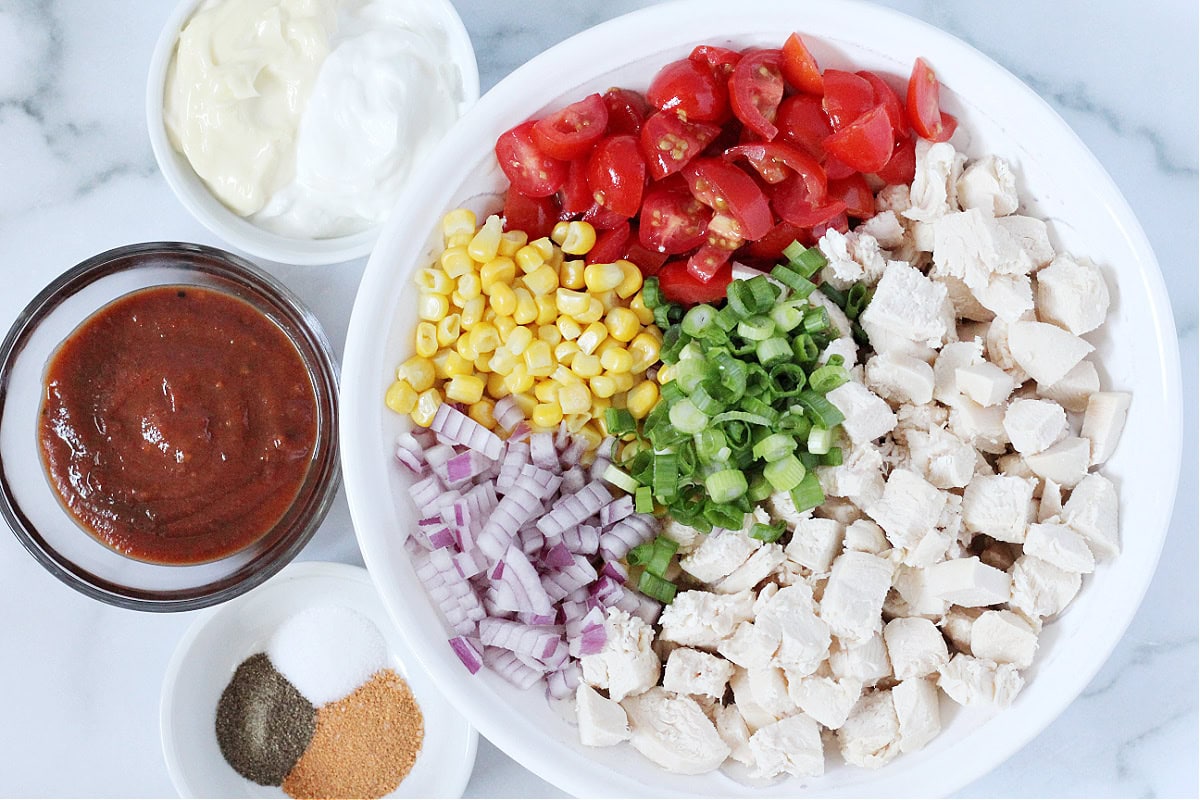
{"x": 178, "y": 424}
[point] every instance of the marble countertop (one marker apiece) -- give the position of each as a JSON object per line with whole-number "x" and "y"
{"x": 81, "y": 680}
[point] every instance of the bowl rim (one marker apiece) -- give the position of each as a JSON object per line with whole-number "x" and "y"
{"x": 237, "y": 231}
{"x": 321, "y": 483}
{"x": 358, "y": 448}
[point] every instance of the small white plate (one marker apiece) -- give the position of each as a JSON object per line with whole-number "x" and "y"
{"x": 225, "y": 636}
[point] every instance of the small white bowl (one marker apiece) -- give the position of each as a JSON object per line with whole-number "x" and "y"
{"x": 238, "y": 231}
{"x": 224, "y": 637}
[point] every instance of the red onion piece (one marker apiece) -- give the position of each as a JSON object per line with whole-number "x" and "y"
{"x": 468, "y": 652}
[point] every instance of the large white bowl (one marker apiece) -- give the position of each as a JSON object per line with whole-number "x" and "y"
{"x": 1059, "y": 180}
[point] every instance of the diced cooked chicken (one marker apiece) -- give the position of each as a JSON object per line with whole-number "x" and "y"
{"x": 687, "y": 537}
{"x": 908, "y": 305}
{"x": 972, "y": 681}
{"x": 966, "y": 304}
{"x": 956, "y": 626}
{"x": 916, "y": 704}
{"x": 854, "y": 595}
{"x": 858, "y": 478}
{"x": 790, "y": 616}
{"x": 750, "y": 646}
{"x": 868, "y": 416}
{"x": 911, "y": 584}
{"x": 852, "y": 258}
{"x": 998, "y": 351}
{"x": 602, "y": 722}
{"x": 945, "y": 369}
{"x": 627, "y": 664}
{"x": 758, "y": 566}
{"x": 943, "y": 459}
{"x": 900, "y": 378}
{"x": 672, "y": 731}
{"x": 720, "y": 553}
{"x": 1032, "y": 235}
{"x": 973, "y": 247}
{"x": 768, "y": 687}
{"x": 1034, "y": 425}
{"x": 985, "y": 383}
{"x": 866, "y": 536}
{"x": 908, "y": 508}
{"x": 885, "y": 227}
{"x": 1003, "y": 637}
{"x": 733, "y": 731}
{"x": 690, "y": 671}
{"x": 1073, "y": 389}
{"x": 1065, "y": 462}
{"x": 1040, "y": 589}
{"x": 982, "y": 426}
{"x": 1008, "y": 296}
{"x": 934, "y": 188}
{"x": 827, "y": 700}
{"x": 968, "y": 582}
{"x": 1072, "y": 294}
{"x": 915, "y": 647}
{"x": 816, "y": 542}
{"x": 998, "y": 505}
{"x": 1050, "y": 505}
{"x": 988, "y": 184}
{"x": 865, "y": 662}
{"x": 1092, "y": 510}
{"x": 790, "y": 746}
{"x": 1045, "y": 351}
{"x": 1103, "y": 422}
{"x": 754, "y": 714}
{"x": 703, "y": 619}
{"x": 871, "y": 736}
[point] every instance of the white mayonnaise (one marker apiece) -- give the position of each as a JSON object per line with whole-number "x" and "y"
{"x": 307, "y": 115}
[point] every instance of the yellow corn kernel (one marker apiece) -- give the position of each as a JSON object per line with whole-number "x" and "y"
{"x": 575, "y": 422}
{"x": 645, "y": 349}
{"x": 465, "y": 389}
{"x": 460, "y": 240}
{"x": 428, "y": 403}
{"x": 602, "y": 277}
{"x": 618, "y": 399}
{"x": 655, "y": 332}
{"x": 564, "y": 376}
{"x": 483, "y": 411}
{"x": 529, "y": 258}
{"x": 550, "y": 335}
{"x": 539, "y": 360}
{"x": 603, "y": 386}
{"x": 457, "y": 364}
{"x": 564, "y": 352}
{"x": 472, "y": 313}
{"x": 457, "y": 221}
{"x": 499, "y": 270}
{"x": 486, "y": 242}
{"x": 469, "y": 286}
{"x": 511, "y": 242}
{"x": 631, "y": 284}
{"x": 623, "y": 380}
{"x": 504, "y": 327}
{"x": 519, "y": 380}
{"x": 546, "y": 415}
{"x": 595, "y": 311}
{"x": 484, "y": 338}
{"x": 426, "y": 339}
{"x": 592, "y": 337}
{"x": 568, "y": 327}
{"x": 556, "y": 260}
{"x": 417, "y": 372}
{"x": 591, "y": 432}
{"x": 503, "y": 300}
{"x": 432, "y": 307}
{"x": 457, "y": 262}
{"x": 574, "y": 398}
{"x": 546, "y": 391}
{"x": 448, "y": 329}
{"x": 518, "y": 340}
{"x": 525, "y": 402}
{"x": 462, "y": 346}
{"x": 616, "y": 359}
{"x": 545, "y": 247}
{"x": 622, "y": 324}
{"x": 559, "y": 234}
{"x": 489, "y": 315}
{"x": 586, "y": 365}
{"x": 608, "y": 300}
{"x": 665, "y": 375}
{"x": 401, "y": 397}
{"x": 481, "y": 363}
{"x": 434, "y": 279}
{"x": 547, "y": 309}
{"x": 570, "y": 274}
{"x": 496, "y": 388}
{"x": 571, "y": 302}
{"x": 457, "y": 301}
{"x": 527, "y": 310}
{"x": 439, "y": 364}
{"x": 638, "y": 306}
{"x": 600, "y": 405}
{"x": 579, "y": 239}
{"x": 502, "y": 361}
{"x": 542, "y": 280}
{"x": 608, "y": 344}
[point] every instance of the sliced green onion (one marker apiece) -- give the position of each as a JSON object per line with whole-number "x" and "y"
{"x": 836, "y": 360}
{"x": 724, "y": 515}
{"x": 805, "y": 349}
{"x": 835, "y": 294}
{"x": 733, "y": 374}
{"x": 651, "y": 293}
{"x": 816, "y": 319}
{"x": 789, "y": 277}
{"x": 660, "y": 559}
{"x": 796, "y": 425}
{"x": 857, "y": 299}
{"x": 827, "y": 378}
{"x": 619, "y": 422}
{"x": 619, "y": 478}
{"x": 787, "y": 380}
{"x": 740, "y": 298}
{"x": 673, "y": 343}
{"x": 726, "y": 485}
{"x": 643, "y": 500}
{"x": 820, "y": 440}
{"x": 687, "y": 418}
{"x": 756, "y": 328}
{"x": 808, "y": 494}
{"x": 727, "y": 319}
{"x": 785, "y": 474}
{"x": 698, "y": 320}
{"x": 689, "y": 372}
{"x": 662, "y": 316}
{"x": 757, "y": 408}
{"x": 764, "y": 293}
{"x": 711, "y": 445}
{"x": 640, "y": 554}
{"x": 786, "y": 317}
{"x": 809, "y": 262}
{"x": 767, "y": 533}
{"x": 740, "y": 416}
{"x": 774, "y": 447}
{"x": 823, "y": 411}
{"x": 760, "y": 489}
{"x": 703, "y": 400}
{"x": 810, "y": 460}
{"x": 656, "y": 588}
{"x": 671, "y": 392}
{"x": 833, "y": 458}
{"x": 773, "y": 351}
{"x": 793, "y": 252}
{"x": 665, "y": 480}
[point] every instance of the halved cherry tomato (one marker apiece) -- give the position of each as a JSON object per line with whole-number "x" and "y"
{"x": 610, "y": 244}
{"x": 847, "y": 97}
{"x": 627, "y": 110}
{"x": 755, "y": 90}
{"x": 690, "y": 90}
{"x": 924, "y": 105}
{"x": 770, "y": 247}
{"x": 601, "y": 218}
{"x": 532, "y": 172}
{"x": 726, "y": 189}
{"x": 571, "y": 131}
{"x": 839, "y": 223}
{"x": 706, "y": 262}
{"x": 802, "y": 122}
{"x": 902, "y": 166}
{"x": 886, "y": 96}
{"x": 865, "y": 144}
{"x": 793, "y": 203}
{"x": 856, "y": 194}
{"x": 616, "y": 173}
{"x": 575, "y": 197}
{"x": 672, "y": 221}
{"x": 646, "y": 260}
{"x": 668, "y": 143}
{"x": 534, "y": 215}
{"x": 775, "y": 161}
{"x": 720, "y": 60}
{"x": 800, "y": 68}
{"x": 679, "y": 286}
{"x": 836, "y": 169}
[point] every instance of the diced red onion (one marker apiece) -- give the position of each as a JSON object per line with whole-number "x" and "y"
{"x": 532, "y": 540}
{"x": 614, "y": 570}
{"x": 582, "y": 539}
{"x": 556, "y": 657}
{"x": 506, "y": 664}
{"x": 535, "y": 619}
{"x": 626, "y": 535}
{"x": 574, "y": 479}
{"x": 542, "y": 452}
{"x": 469, "y": 564}
{"x": 563, "y": 683}
{"x": 468, "y": 652}
{"x": 462, "y": 468}
{"x": 574, "y": 451}
{"x": 521, "y": 431}
{"x": 575, "y": 508}
{"x": 616, "y": 511}
{"x": 519, "y": 569}
{"x": 507, "y": 413}
{"x": 511, "y": 513}
{"x": 425, "y": 492}
{"x": 535, "y": 641}
{"x": 451, "y": 425}
{"x": 562, "y": 439}
{"x": 558, "y": 557}
{"x": 561, "y": 583}
{"x": 441, "y": 539}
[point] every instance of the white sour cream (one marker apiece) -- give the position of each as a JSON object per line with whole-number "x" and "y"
{"x": 307, "y": 115}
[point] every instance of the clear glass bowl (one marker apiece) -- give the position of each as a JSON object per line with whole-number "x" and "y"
{"x": 31, "y": 506}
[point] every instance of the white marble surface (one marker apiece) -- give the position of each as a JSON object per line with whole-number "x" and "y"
{"x": 79, "y": 681}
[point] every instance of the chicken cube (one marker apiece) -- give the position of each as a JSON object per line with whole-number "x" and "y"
{"x": 989, "y": 185}
{"x": 1072, "y": 294}
{"x": 982, "y": 426}
{"x": 934, "y": 189}
{"x": 908, "y": 305}
{"x": 854, "y": 595}
{"x": 602, "y": 722}
{"x": 704, "y": 619}
{"x": 1047, "y": 352}
{"x": 966, "y": 305}
{"x": 1031, "y": 234}
{"x": 1003, "y": 637}
{"x": 900, "y": 378}
{"x": 943, "y": 459}
{"x": 768, "y": 688}
{"x": 754, "y": 714}
{"x": 911, "y": 584}
{"x": 998, "y": 505}
{"x": 865, "y": 536}
{"x": 816, "y": 542}
{"x": 1092, "y": 510}
{"x": 1040, "y": 589}
{"x": 885, "y": 227}
{"x": 868, "y": 416}
{"x": 687, "y": 537}
{"x": 968, "y": 582}
{"x": 790, "y": 616}
{"x": 956, "y": 626}
{"x": 690, "y": 671}
{"x": 915, "y": 647}
{"x": 985, "y": 383}
{"x": 733, "y": 731}
{"x": 1050, "y": 505}
{"x": 971, "y": 246}
{"x": 908, "y": 508}
{"x": 1009, "y": 297}
{"x": 945, "y": 369}
{"x": 974, "y": 681}
{"x": 859, "y": 477}
{"x": 761, "y": 563}
{"x": 626, "y": 665}
{"x": 720, "y": 553}
{"x": 871, "y": 736}
{"x": 790, "y": 746}
{"x": 673, "y": 731}
{"x": 865, "y": 662}
{"x": 917, "y": 713}
{"x": 827, "y": 700}
{"x": 1065, "y": 463}
{"x": 1074, "y": 389}
{"x": 750, "y": 646}
{"x": 1034, "y": 425}
{"x": 1103, "y": 422}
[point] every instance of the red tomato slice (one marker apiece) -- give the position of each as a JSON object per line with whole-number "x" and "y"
{"x": 847, "y": 97}
{"x": 865, "y": 144}
{"x": 528, "y": 169}
{"x": 856, "y": 194}
{"x": 924, "y": 105}
{"x": 570, "y": 132}
{"x": 885, "y": 95}
{"x": 839, "y": 223}
{"x": 902, "y": 166}
{"x": 672, "y": 221}
{"x": 627, "y": 110}
{"x": 727, "y": 190}
{"x": 836, "y": 169}
{"x": 610, "y": 245}
{"x": 802, "y": 122}
{"x": 706, "y": 262}
{"x": 601, "y": 218}
{"x": 534, "y": 215}
{"x": 679, "y": 286}
{"x": 755, "y": 90}
{"x": 770, "y": 247}
{"x": 616, "y": 174}
{"x": 691, "y": 90}
{"x": 718, "y": 59}
{"x": 793, "y": 203}
{"x": 668, "y": 143}
{"x": 646, "y": 260}
{"x": 575, "y": 197}
{"x": 775, "y": 161}
{"x": 800, "y": 68}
